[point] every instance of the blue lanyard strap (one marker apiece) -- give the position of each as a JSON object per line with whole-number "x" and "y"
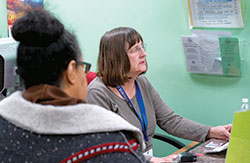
{"x": 143, "y": 121}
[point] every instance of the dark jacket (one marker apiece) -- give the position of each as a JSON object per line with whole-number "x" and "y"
{"x": 31, "y": 132}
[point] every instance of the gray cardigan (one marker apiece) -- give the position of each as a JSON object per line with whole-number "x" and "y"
{"x": 157, "y": 111}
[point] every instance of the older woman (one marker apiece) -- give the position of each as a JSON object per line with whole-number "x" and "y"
{"x": 50, "y": 121}
{"x": 122, "y": 88}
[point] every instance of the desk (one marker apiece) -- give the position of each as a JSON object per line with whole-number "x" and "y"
{"x": 196, "y": 147}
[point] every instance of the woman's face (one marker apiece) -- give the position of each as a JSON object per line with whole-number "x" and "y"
{"x": 137, "y": 57}
{"x": 81, "y": 83}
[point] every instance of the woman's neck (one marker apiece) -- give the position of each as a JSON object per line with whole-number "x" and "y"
{"x": 128, "y": 87}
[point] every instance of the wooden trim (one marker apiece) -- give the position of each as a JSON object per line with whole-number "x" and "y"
{"x": 187, "y": 147}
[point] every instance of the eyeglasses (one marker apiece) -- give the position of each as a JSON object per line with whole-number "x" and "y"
{"x": 86, "y": 66}
{"x": 137, "y": 49}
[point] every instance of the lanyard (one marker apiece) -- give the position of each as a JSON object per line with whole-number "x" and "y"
{"x": 143, "y": 121}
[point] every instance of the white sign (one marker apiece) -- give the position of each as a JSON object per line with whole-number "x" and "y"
{"x": 215, "y": 13}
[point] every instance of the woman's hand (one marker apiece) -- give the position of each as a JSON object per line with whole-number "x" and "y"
{"x": 220, "y": 132}
{"x": 169, "y": 158}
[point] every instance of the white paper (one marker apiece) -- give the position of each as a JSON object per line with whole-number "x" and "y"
{"x": 215, "y": 13}
{"x": 202, "y": 52}
{"x": 211, "y": 35}
{"x": 192, "y": 54}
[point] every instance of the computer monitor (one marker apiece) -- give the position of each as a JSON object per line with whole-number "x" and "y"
{"x": 9, "y": 80}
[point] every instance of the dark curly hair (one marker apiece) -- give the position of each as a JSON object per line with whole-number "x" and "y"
{"x": 45, "y": 48}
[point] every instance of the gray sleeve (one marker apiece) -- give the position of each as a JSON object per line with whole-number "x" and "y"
{"x": 175, "y": 124}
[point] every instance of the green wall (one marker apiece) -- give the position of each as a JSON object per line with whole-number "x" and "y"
{"x": 3, "y": 19}
{"x": 207, "y": 99}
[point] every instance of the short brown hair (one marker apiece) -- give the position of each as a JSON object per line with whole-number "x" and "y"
{"x": 113, "y": 62}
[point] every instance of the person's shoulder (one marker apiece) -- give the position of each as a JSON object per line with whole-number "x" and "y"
{"x": 142, "y": 79}
{"x": 14, "y": 97}
{"x": 97, "y": 83}
{"x": 97, "y": 87}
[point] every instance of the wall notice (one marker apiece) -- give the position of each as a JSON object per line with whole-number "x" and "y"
{"x": 215, "y": 13}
